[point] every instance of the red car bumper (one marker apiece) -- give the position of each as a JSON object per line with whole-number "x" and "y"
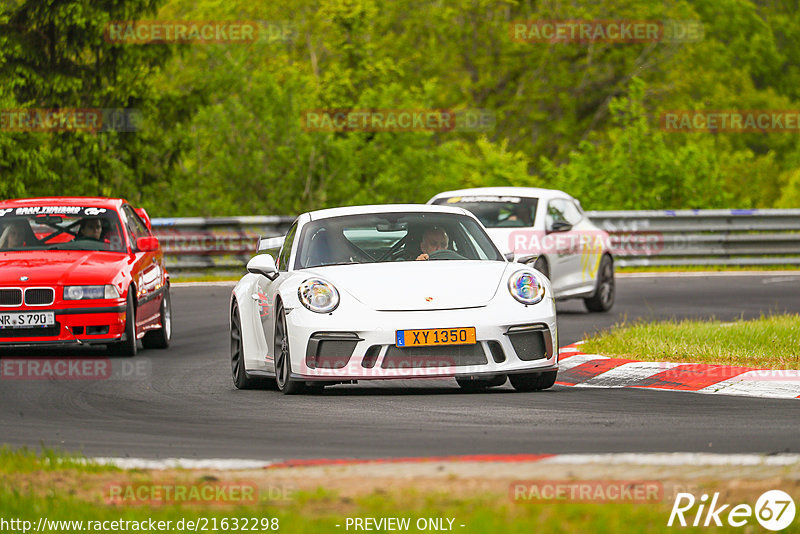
{"x": 73, "y": 326}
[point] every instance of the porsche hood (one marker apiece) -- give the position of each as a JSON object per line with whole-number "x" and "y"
{"x": 418, "y": 285}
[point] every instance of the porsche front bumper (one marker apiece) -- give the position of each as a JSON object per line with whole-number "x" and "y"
{"x": 354, "y": 345}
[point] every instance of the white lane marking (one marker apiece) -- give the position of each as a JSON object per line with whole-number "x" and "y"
{"x": 698, "y": 274}
{"x": 780, "y": 280}
{"x": 183, "y": 463}
{"x": 677, "y": 458}
{"x": 666, "y": 459}
{"x": 629, "y": 374}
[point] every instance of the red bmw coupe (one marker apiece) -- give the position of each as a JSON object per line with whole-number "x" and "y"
{"x": 81, "y": 271}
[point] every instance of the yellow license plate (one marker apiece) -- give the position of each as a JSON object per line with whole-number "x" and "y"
{"x": 435, "y": 336}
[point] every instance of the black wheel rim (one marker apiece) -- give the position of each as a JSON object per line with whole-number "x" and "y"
{"x": 282, "y": 353}
{"x": 236, "y": 346}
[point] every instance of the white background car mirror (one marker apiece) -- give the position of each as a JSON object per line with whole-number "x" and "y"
{"x": 525, "y": 258}
{"x": 559, "y": 226}
{"x": 263, "y": 264}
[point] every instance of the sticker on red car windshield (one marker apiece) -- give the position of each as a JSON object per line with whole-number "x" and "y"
{"x": 52, "y": 210}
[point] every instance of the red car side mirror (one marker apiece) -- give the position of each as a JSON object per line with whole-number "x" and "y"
{"x": 145, "y": 217}
{"x": 147, "y": 244}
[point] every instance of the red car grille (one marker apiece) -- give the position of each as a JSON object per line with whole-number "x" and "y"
{"x": 10, "y": 297}
{"x": 39, "y": 296}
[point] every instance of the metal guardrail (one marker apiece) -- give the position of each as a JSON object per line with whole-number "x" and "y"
{"x": 676, "y": 238}
{"x": 707, "y": 237}
{"x": 222, "y": 244}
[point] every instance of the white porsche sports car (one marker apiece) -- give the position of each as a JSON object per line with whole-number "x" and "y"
{"x": 392, "y": 291}
{"x": 547, "y": 228}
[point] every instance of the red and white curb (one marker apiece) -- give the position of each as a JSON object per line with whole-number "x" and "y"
{"x": 576, "y": 368}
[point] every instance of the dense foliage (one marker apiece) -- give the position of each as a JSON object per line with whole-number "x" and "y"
{"x": 221, "y": 132}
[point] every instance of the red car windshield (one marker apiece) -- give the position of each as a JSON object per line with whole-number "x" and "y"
{"x": 60, "y": 228}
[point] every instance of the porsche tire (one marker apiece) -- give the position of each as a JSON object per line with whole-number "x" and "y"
{"x": 480, "y": 384}
{"x": 159, "y": 339}
{"x": 241, "y": 379}
{"x": 533, "y": 381}
{"x": 283, "y": 359}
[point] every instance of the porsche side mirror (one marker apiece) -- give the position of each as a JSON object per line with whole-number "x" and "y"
{"x": 147, "y": 244}
{"x": 560, "y": 226}
{"x": 263, "y": 264}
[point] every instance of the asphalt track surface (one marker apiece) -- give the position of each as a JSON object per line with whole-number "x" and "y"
{"x": 184, "y": 404}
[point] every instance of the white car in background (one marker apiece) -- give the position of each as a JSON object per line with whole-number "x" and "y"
{"x": 392, "y": 291}
{"x": 548, "y": 229}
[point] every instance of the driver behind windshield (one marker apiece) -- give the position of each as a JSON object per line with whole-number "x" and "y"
{"x": 90, "y": 229}
{"x": 432, "y": 240}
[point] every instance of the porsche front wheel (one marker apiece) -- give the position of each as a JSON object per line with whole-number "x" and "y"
{"x": 283, "y": 360}
{"x": 238, "y": 371}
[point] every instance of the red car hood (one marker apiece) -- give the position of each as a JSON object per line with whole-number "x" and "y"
{"x": 55, "y": 267}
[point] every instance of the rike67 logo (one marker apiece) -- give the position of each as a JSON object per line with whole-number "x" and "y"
{"x": 774, "y": 510}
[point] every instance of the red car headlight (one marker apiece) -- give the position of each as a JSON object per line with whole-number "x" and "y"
{"x": 90, "y": 292}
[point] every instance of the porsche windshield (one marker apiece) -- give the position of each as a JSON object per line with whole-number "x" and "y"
{"x": 66, "y": 228}
{"x": 389, "y": 237}
{"x": 497, "y": 211}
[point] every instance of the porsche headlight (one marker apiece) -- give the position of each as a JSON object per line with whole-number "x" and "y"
{"x": 526, "y": 287}
{"x": 318, "y": 295}
{"x": 90, "y": 292}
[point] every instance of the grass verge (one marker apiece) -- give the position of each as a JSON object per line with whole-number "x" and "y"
{"x": 77, "y": 495}
{"x": 771, "y": 342}
{"x": 28, "y": 461}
